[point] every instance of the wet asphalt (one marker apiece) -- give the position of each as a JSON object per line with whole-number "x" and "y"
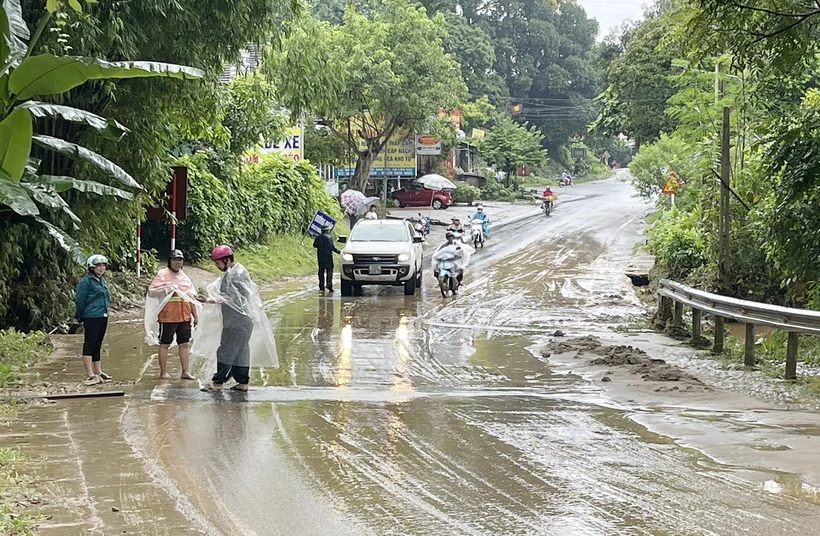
{"x": 395, "y": 415}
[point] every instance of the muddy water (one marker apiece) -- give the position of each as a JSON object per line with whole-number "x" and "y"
{"x": 417, "y": 415}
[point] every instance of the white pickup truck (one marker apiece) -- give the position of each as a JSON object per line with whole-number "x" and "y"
{"x": 382, "y": 252}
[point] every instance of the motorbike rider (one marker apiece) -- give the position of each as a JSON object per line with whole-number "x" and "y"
{"x": 566, "y": 179}
{"x": 451, "y": 241}
{"x": 480, "y": 215}
{"x": 456, "y": 226}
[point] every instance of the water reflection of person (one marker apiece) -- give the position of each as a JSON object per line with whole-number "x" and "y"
{"x": 324, "y": 349}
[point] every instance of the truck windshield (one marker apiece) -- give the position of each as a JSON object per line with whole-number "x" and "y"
{"x": 379, "y": 233}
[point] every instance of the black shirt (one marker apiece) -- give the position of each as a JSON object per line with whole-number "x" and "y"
{"x": 324, "y": 248}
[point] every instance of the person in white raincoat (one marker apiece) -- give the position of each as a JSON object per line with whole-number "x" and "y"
{"x": 234, "y": 313}
{"x": 170, "y": 307}
{"x": 452, "y": 250}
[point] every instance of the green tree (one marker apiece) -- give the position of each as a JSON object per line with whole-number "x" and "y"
{"x": 22, "y": 184}
{"x": 510, "y": 145}
{"x": 473, "y": 48}
{"x": 639, "y": 85}
{"x": 322, "y": 147}
{"x": 376, "y": 76}
{"x": 251, "y": 113}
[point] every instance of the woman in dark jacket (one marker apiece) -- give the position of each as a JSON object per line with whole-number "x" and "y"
{"x": 93, "y": 302}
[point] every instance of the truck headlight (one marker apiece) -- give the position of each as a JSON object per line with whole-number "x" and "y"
{"x": 347, "y": 256}
{"x": 404, "y": 257}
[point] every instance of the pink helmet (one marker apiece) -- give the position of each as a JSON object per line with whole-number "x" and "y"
{"x": 220, "y": 252}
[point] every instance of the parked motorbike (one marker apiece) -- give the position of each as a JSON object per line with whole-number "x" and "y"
{"x": 477, "y": 233}
{"x": 423, "y": 225}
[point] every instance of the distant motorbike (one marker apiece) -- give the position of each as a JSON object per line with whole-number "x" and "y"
{"x": 546, "y": 205}
{"x": 477, "y": 233}
{"x": 565, "y": 181}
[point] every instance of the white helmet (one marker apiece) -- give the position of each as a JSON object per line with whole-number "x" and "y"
{"x": 480, "y": 208}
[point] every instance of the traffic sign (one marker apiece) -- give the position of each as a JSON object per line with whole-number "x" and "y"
{"x": 672, "y": 185}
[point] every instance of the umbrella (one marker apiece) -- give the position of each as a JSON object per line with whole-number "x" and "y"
{"x": 364, "y": 205}
{"x": 434, "y": 181}
{"x": 350, "y": 200}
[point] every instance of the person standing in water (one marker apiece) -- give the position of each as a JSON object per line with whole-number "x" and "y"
{"x": 236, "y": 290}
{"x": 324, "y": 258}
{"x": 176, "y": 316}
{"x": 93, "y": 301}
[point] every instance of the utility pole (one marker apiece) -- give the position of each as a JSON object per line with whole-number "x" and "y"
{"x": 724, "y": 221}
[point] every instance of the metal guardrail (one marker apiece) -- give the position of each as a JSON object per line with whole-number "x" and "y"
{"x": 673, "y": 296}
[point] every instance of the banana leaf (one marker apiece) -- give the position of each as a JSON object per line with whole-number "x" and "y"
{"x": 17, "y": 198}
{"x": 46, "y": 74}
{"x": 109, "y": 128}
{"x": 62, "y": 183}
{"x": 65, "y": 241}
{"x": 49, "y": 198}
{"x": 13, "y": 34}
{"x": 77, "y": 152}
{"x": 15, "y": 143}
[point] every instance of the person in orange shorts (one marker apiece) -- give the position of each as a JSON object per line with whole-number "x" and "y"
{"x": 176, "y": 316}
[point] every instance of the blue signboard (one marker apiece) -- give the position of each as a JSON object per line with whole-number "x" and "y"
{"x": 320, "y": 220}
{"x": 379, "y": 172}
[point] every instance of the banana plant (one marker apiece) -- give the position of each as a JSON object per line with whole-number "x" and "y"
{"x": 25, "y": 77}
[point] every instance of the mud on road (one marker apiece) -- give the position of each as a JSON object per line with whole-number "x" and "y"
{"x": 639, "y": 363}
{"x": 398, "y": 415}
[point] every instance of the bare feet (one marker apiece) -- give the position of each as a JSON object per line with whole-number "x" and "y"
{"x": 165, "y": 376}
{"x": 186, "y": 376}
{"x": 240, "y": 387}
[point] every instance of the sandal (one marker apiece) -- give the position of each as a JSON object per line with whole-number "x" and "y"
{"x": 104, "y": 377}
{"x": 92, "y": 380}
{"x": 237, "y": 388}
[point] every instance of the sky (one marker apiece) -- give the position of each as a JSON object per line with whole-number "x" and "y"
{"x": 612, "y": 13}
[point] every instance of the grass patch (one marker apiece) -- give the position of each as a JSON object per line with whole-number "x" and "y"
{"x": 13, "y": 491}
{"x": 280, "y": 257}
{"x": 18, "y": 351}
{"x": 770, "y": 359}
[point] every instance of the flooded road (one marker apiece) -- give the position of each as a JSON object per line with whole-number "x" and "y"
{"x": 394, "y": 415}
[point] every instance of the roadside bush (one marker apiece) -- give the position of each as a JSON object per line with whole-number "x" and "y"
{"x": 495, "y": 191}
{"x": 677, "y": 243}
{"x": 465, "y": 193}
{"x": 275, "y": 196}
{"x": 650, "y": 167}
{"x": 18, "y": 351}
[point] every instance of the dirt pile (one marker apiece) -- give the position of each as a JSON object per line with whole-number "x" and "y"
{"x": 639, "y": 363}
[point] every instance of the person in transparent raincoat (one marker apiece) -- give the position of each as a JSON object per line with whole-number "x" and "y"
{"x": 452, "y": 250}
{"x": 170, "y": 307}
{"x": 234, "y": 329}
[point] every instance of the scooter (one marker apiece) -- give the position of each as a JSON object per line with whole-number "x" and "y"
{"x": 423, "y": 225}
{"x": 447, "y": 274}
{"x": 477, "y": 233}
{"x": 565, "y": 181}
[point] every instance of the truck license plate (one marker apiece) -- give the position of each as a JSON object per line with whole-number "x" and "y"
{"x": 375, "y": 269}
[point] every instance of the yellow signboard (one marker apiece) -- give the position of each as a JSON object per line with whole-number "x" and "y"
{"x": 292, "y": 146}
{"x": 397, "y": 159}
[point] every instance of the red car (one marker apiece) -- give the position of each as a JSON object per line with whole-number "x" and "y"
{"x": 416, "y": 195}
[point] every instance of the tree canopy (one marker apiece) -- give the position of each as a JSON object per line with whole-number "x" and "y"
{"x": 510, "y": 146}
{"x": 382, "y": 74}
